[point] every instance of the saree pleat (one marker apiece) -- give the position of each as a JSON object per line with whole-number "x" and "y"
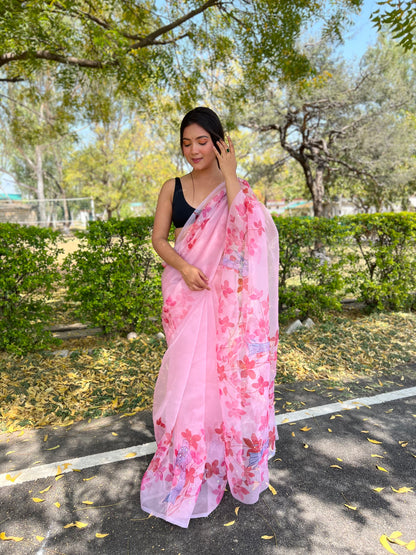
{"x": 214, "y": 398}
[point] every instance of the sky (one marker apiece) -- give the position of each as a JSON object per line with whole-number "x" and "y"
{"x": 359, "y": 36}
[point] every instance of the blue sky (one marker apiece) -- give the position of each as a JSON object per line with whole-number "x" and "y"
{"x": 361, "y": 34}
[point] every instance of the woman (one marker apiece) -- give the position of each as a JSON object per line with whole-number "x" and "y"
{"x": 213, "y": 404}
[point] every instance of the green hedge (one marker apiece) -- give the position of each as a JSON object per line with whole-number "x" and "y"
{"x": 384, "y": 260}
{"x": 113, "y": 279}
{"x": 114, "y": 276}
{"x": 29, "y": 276}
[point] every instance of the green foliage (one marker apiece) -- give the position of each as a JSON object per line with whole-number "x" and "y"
{"x": 28, "y": 278}
{"x": 311, "y": 265}
{"x": 385, "y": 262}
{"x": 114, "y": 276}
{"x": 400, "y": 18}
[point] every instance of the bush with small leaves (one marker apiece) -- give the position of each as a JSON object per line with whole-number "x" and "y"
{"x": 29, "y": 276}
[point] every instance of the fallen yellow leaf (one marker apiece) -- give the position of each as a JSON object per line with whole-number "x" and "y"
{"x": 305, "y": 446}
{"x": 305, "y": 429}
{"x": 365, "y": 432}
{"x": 329, "y": 430}
{"x": 378, "y": 456}
{"x": 401, "y": 490}
{"x": 12, "y": 478}
{"x": 293, "y": 434}
{"x": 271, "y": 488}
{"x": 98, "y": 535}
{"x": 57, "y": 504}
{"x": 130, "y": 455}
{"x": 411, "y": 546}
{"x": 45, "y": 438}
{"x": 46, "y": 489}
{"x": 385, "y": 543}
{"x": 230, "y": 523}
{"x": 87, "y": 479}
{"x": 350, "y": 507}
{"x": 336, "y": 466}
{"x": 236, "y": 510}
{"x": 37, "y": 499}
{"x": 378, "y": 489}
{"x": 88, "y": 502}
{"x": 52, "y": 448}
{"x": 70, "y": 525}
{"x": 10, "y": 452}
{"x": 311, "y": 390}
{"x": 40, "y": 538}
{"x": 9, "y": 538}
{"x": 374, "y": 441}
{"x": 59, "y": 477}
{"x": 381, "y": 468}
{"x": 114, "y": 434}
{"x": 338, "y": 459}
{"x": 285, "y": 420}
{"x": 79, "y": 524}
{"x": 267, "y": 537}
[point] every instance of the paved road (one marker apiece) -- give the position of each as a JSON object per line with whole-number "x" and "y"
{"x": 307, "y": 515}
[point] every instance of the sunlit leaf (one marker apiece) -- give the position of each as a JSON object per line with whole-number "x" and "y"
{"x": 70, "y": 525}
{"x": 329, "y": 430}
{"x": 40, "y": 538}
{"x": 411, "y": 546}
{"x": 130, "y": 455}
{"x": 378, "y": 456}
{"x": 236, "y": 510}
{"x": 381, "y": 468}
{"x": 12, "y": 478}
{"x": 9, "y": 538}
{"x": 305, "y": 429}
{"x": 57, "y": 504}
{"x": 10, "y": 452}
{"x": 80, "y": 524}
{"x": 374, "y": 441}
{"x": 98, "y": 535}
{"x": 350, "y": 507}
{"x": 37, "y": 500}
{"x": 293, "y": 434}
{"x": 88, "y": 502}
{"x": 305, "y": 446}
{"x": 230, "y": 523}
{"x": 378, "y": 489}
{"x": 336, "y": 466}
{"x": 267, "y": 537}
{"x": 402, "y": 490}
{"x": 385, "y": 543}
{"x": 46, "y": 489}
{"x": 114, "y": 434}
{"x": 271, "y": 488}
{"x": 338, "y": 459}
{"x": 285, "y": 420}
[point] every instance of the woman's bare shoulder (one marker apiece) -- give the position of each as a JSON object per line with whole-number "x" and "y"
{"x": 167, "y": 189}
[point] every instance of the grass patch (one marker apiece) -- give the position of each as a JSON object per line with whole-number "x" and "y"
{"x": 105, "y": 376}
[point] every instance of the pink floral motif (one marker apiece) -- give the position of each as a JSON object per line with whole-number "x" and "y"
{"x": 223, "y": 343}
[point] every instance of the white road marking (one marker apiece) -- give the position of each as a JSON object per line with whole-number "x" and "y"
{"x": 80, "y": 463}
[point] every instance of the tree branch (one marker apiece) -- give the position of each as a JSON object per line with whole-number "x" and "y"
{"x": 150, "y": 39}
{"x": 9, "y": 57}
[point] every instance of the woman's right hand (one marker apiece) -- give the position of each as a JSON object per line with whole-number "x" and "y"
{"x": 195, "y": 278}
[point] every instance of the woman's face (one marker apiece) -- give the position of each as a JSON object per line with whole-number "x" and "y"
{"x": 197, "y": 147}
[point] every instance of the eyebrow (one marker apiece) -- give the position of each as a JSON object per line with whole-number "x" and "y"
{"x": 200, "y": 137}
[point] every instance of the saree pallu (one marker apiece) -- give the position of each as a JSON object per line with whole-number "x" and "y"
{"x": 213, "y": 407}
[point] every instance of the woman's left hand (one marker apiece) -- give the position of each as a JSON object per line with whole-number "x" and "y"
{"x": 226, "y": 158}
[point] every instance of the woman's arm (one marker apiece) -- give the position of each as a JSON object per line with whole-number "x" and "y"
{"x": 194, "y": 278}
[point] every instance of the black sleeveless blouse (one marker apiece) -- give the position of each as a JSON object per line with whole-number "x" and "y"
{"x": 181, "y": 210}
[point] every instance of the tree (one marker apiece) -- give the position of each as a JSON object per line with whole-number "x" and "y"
{"x": 400, "y": 18}
{"x": 145, "y": 44}
{"x": 330, "y": 124}
{"x": 35, "y": 131}
{"x": 124, "y": 161}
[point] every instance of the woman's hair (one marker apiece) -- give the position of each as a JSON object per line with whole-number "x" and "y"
{"x": 207, "y": 119}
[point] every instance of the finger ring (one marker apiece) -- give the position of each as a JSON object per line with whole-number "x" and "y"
{"x": 228, "y": 150}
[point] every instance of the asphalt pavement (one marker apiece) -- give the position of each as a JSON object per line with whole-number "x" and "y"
{"x": 326, "y": 479}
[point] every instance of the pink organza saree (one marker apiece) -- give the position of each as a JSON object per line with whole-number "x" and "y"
{"x": 214, "y": 398}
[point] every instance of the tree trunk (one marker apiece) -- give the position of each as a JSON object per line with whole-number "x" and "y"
{"x": 40, "y": 186}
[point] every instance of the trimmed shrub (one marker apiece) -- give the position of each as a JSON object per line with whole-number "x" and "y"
{"x": 114, "y": 276}
{"x": 29, "y": 275}
{"x": 385, "y": 259}
{"x": 311, "y": 264}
